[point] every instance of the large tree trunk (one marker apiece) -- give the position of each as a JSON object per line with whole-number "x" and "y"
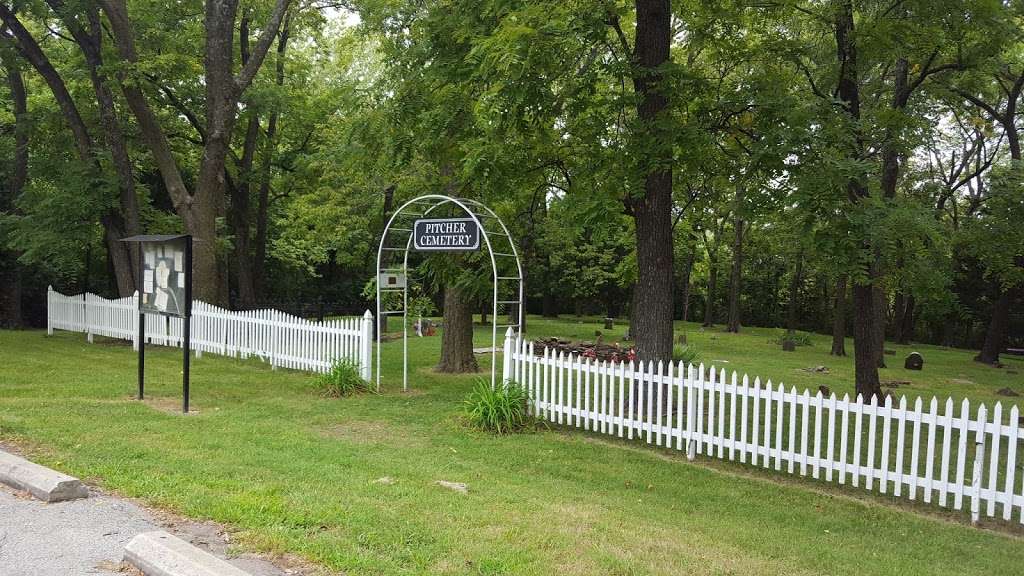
{"x": 652, "y": 315}
{"x": 457, "y": 333}
{"x": 996, "y": 333}
{"x": 736, "y": 275}
{"x": 10, "y": 269}
{"x": 839, "y": 318}
{"x": 865, "y": 319}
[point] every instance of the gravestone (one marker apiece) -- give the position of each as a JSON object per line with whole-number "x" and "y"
{"x": 609, "y": 323}
{"x": 914, "y": 361}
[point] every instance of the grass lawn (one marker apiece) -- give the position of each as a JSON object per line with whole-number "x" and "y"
{"x": 289, "y": 471}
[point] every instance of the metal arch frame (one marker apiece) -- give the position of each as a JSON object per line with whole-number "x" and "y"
{"x": 435, "y": 201}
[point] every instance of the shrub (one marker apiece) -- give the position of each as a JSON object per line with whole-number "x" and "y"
{"x": 685, "y": 353}
{"x": 798, "y": 338}
{"x": 501, "y": 410}
{"x": 343, "y": 379}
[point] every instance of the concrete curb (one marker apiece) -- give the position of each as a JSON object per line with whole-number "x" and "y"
{"x": 43, "y": 483}
{"x": 158, "y": 553}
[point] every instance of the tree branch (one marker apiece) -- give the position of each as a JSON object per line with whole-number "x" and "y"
{"x": 259, "y": 52}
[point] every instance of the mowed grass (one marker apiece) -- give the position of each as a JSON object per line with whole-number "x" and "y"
{"x": 291, "y": 472}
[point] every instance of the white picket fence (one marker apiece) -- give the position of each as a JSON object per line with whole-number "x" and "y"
{"x": 276, "y": 337}
{"x": 922, "y": 453}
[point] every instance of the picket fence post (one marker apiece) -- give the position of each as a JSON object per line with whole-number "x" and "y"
{"x": 979, "y": 462}
{"x": 366, "y": 343}
{"x": 49, "y": 310}
{"x": 506, "y": 361}
{"x": 134, "y": 323}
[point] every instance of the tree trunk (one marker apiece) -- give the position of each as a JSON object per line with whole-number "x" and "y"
{"x": 547, "y": 305}
{"x": 881, "y": 305}
{"x": 10, "y": 269}
{"x": 687, "y": 272}
{"x": 263, "y": 204}
{"x": 996, "y": 333}
{"x": 709, "y": 302}
{"x": 457, "y": 334}
{"x": 735, "y": 277}
{"x": 839, "y": 318}
{"x": 899, "y": 309}
{"x": 241, "y": 217}
{"x": 794, "y": 295}
{"x": 865, "y": 318}
{"x": 652, "y": 317}
{"x": 907, "y": 329}
{"x": 122, "y": 256}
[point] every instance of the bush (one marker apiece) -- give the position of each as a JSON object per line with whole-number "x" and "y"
{"x": 685, "y": 353}
{"x": 501, "y": 410}
{"x": 798, "y": 338}
{"x": 343, "y": 379}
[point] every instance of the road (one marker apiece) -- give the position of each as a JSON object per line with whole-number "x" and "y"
{"x": 87, "y": 537}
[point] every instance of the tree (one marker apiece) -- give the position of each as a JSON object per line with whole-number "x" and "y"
{"x": 88, "y": 153}
{"x": 1001, "y": 106}
{"x": 10, "y": 191}
{"x": 200, "y": 208}
{"x": 652, "y": 313}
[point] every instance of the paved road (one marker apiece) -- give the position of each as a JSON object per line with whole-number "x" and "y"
{"x": 87, "y": 537}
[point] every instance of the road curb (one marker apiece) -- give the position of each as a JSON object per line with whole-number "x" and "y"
{"x": 158, "y": 553}
{"x": 39, "y": 481}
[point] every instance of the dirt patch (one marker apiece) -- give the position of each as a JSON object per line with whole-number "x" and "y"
{"x": 168, "y": 405}
{"x": 370, "y": 432}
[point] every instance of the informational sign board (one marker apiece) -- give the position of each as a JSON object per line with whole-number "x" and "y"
{"x": 165, "y": 287}
{"x": 446, "y": 235}
{"x": 164, "y": 278}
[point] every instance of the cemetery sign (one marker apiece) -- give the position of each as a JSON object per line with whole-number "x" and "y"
{"x": 446, "y": 235}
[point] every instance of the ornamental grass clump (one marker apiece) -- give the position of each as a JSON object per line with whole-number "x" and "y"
{"x": 501, "y": 410}
{"x": 685, "y": 353}
{"x": 343, "y": 379}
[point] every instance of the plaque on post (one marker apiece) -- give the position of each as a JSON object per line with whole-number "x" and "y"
{"x": 165, "y": 287}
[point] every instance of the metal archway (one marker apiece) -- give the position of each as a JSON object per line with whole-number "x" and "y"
{"x": 398, "y": 239}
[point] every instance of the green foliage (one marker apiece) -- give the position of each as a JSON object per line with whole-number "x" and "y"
{"x": 344, "y": 379}
{"x": 501, "y": 410}
{"x": 799, "y": 338}
{"x": 685, "y": 353}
